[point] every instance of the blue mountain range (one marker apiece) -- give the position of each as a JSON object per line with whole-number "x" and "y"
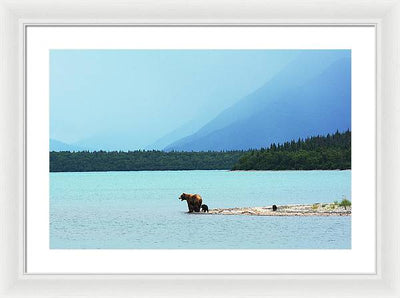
{"x": 310, "y": 96}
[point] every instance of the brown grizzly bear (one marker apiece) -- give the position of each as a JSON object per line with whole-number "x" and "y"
{"x": 193, "y": 200}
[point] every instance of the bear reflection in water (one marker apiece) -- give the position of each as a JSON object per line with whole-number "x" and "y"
{"x": 193, "y": 200}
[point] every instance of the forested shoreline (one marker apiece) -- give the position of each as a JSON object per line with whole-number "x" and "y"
{"x": 101, "y": 161}
{"x": 329, "y": 152}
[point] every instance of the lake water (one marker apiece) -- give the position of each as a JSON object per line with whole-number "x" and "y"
{"x": 141, "y": 210}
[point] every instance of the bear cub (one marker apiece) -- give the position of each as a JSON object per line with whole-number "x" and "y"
{"x": 204, "y": 208}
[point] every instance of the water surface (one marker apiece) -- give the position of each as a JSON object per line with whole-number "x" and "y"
{"x": 141, "y": 210}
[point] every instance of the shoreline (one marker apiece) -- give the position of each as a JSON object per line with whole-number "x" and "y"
{"x": 221, "y": 170}
{"x": 317, "y": 209}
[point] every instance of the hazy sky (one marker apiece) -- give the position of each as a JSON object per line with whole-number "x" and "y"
{"x": 130, "y": 98}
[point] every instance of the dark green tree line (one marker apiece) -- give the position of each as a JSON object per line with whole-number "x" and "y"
{"x": 98, "y": 161}
{"x": 315, "y": 153}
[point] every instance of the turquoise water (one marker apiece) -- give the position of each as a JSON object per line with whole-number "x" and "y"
{"x": 132, "y": 210}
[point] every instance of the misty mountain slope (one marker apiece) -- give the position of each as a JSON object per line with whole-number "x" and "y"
{"x": 107, "y": 141}
{"x": 56, "y": 145}
{"x": 184, "y": 130}
{"x": 303, "y": 68}
{"x": 281, "y": 110}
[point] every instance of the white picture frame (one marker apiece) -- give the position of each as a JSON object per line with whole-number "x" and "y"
{"x": 15, "y": 15}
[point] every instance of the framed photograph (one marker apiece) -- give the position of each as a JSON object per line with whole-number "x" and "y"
{"x": 268, "y": 142}
{"x": 142, "y": 158}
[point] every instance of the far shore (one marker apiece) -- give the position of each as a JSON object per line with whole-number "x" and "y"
{"x": 317, "y": 209}
{"x": 288, "y": 170}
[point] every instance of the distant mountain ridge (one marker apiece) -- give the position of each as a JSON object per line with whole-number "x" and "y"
{"x": 58, "y": 146}
{"x": 306, "y": 98}
{"x": 185, "y": 130}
